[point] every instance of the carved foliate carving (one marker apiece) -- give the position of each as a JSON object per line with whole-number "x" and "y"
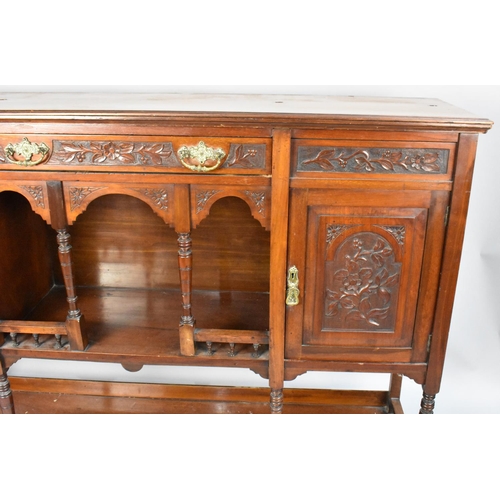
{"x": 203, "y": 197}
{"x": 113, "y": 153}
{"x": 36, "y": 192}
{"x": 259, "y": 199}
{"x": 333, "y": 231}
{"x": 246, "y": 156}
{"x": 362, "y": 284}
{"x": 159, "y": 196}
{"x": 379, "y": 160}
{"x": 399, "y": 233}
{"x": 78, "y": 194}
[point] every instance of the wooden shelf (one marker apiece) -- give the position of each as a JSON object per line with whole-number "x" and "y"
{"x": 51, "y": 396}
{"x": 138, "y": 327}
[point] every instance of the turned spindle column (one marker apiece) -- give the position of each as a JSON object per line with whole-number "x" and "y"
{"x": 276, "y": 404}
{"x": 427, "y": 404}
{"x": 6, "y": 399}
{"x": 74, "y": 320}
{"x": 186, "y": 327}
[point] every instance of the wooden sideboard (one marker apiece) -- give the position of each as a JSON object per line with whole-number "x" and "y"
{"x": 281, "y": 234}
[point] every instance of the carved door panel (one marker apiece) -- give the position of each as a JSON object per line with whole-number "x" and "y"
{"x": 363, "y": 273}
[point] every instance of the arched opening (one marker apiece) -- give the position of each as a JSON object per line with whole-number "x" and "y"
{"x": 125, "y": 266}
{"x": 120, "y": 242}
{"x": 231, "y": 259}
{"x": 30, "y": 267}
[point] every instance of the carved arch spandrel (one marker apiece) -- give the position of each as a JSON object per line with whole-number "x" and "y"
{"x": 34, "y": 192}
{"x": 258, "y": 198}
{"x": 159, "y": 197}
{"x": 393, "y": 234}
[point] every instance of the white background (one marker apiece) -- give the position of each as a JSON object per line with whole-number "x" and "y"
{"x": 389, "y": 48}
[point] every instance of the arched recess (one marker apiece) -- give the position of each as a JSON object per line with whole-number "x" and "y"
{"x": 29, "y": 254}
{"x": 34, "y": 192}
{"x": 119, "y": 242}
{"x": 258, "y": 198}
{"x": 160, "y": 197}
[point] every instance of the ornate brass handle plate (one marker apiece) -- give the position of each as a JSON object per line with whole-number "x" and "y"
{"x": 292, "y": 291}
{"x": 201, "y": 158}
{"x": 26, "y": 150}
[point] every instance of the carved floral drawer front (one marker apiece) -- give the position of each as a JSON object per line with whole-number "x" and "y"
{"x": 372, "y": 158}
{"x": 201, "y": 155}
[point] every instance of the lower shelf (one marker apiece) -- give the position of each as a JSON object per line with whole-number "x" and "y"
{"x": 56, "y": 396}
{"x": 138, "y": 327}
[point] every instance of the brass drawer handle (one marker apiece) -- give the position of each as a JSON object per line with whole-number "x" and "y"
{"x": 292, "y": 291}
{"x": 199, "y": 156}
{"x": 27, "y": 150}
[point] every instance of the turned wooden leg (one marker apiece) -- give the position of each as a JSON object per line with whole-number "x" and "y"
{"x": 186, "y": 327}
{"x": 6, "y": 399}
{"x": 427, "y": 404}
{"x": 74, "y": 321}
{"x": 276, "y": 401}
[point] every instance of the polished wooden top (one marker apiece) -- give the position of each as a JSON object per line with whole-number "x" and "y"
{"x": 281, "y": 108}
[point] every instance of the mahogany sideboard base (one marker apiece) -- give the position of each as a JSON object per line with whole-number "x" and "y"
{"x": 279, "y": 234}
{"x": 57, "y": 396}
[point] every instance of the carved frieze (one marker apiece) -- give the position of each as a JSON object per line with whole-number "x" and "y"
{"x": 378, "y": 160}
{"x": 89, "y": 153}
{"x": 113, "y": 153}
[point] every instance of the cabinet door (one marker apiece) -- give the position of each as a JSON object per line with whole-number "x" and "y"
{"x": 367, "y": 265}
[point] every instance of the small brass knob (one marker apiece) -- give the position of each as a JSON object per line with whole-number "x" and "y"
{"x": 201, "y": 158}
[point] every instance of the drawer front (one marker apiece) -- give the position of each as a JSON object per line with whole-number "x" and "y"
{"x": 316, "y": 158}
{"x": 201, "y": 155}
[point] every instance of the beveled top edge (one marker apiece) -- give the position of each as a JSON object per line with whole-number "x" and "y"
{"x": 256, "y": 107}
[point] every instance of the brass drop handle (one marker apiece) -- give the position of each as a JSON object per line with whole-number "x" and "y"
{"x": 292, "y": 291}
{"x": 201, "y": 158}
{"x": 27, "y": 150}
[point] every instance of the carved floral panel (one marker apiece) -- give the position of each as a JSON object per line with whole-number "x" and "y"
{"x": 113, "y": 153}
{"x": 362, "y": 285}
{"x": 246, "y": 156}
{"x": 378, "y": 160}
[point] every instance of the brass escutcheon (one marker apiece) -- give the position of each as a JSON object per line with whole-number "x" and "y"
{"x": 292, "y": 291}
